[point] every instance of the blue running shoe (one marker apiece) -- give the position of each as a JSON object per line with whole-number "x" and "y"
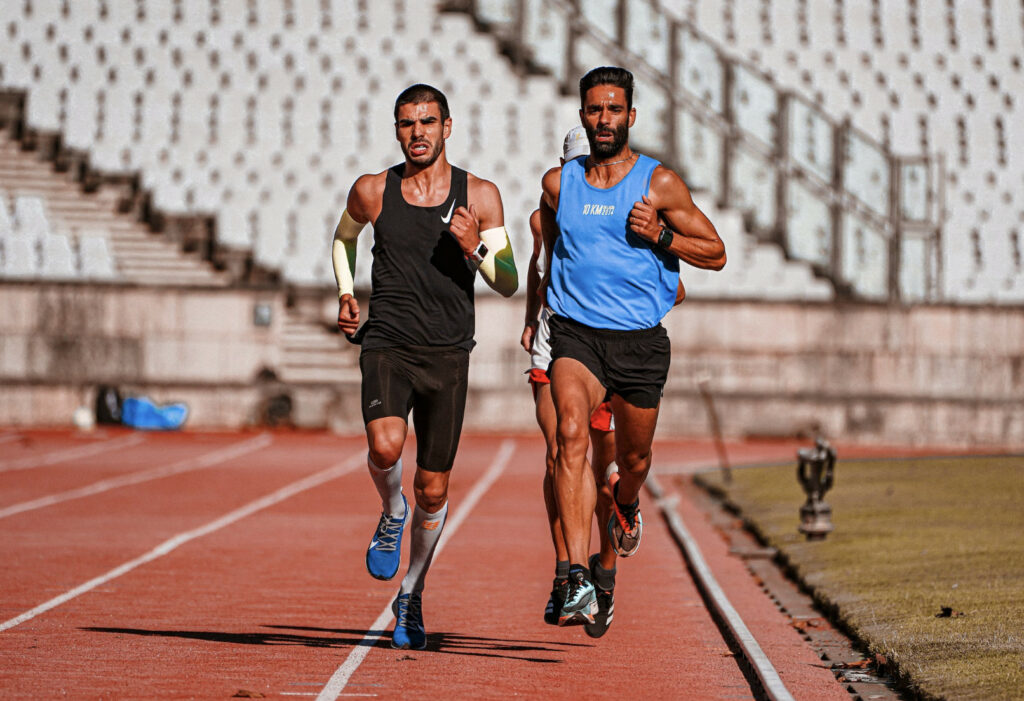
{"x": 385, "y": 551}
{"x": 580, "y": 601}
{"x": 409, "y": 633}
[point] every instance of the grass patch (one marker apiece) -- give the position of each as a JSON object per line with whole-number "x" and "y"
{"x": 911, "y": 537}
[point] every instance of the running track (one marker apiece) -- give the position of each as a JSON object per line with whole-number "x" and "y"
{"x": 213, "y": 565}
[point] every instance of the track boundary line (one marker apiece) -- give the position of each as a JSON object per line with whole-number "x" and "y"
{"x": 210, "y": 459}
{"x": 78, "y": 451}
{"x": 771, "y": 682}
{"x": 336, "y": 684}
{"x": 171, "y": 544}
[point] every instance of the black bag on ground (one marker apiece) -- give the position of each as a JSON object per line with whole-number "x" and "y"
{"x": 108, "y": 405}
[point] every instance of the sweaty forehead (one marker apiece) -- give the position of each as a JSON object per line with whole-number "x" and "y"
{"x": 606, "y": 94}
{"x": 419, "y": 110}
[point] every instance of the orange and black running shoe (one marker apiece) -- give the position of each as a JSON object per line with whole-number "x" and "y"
{"x": 626, "y": 525}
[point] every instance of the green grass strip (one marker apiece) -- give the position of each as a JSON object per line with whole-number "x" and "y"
{"x": 911, "y": 537}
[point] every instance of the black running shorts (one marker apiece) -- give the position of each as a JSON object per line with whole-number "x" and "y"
{"x": 631, "y": 364}
{"x": 427, "y": 380}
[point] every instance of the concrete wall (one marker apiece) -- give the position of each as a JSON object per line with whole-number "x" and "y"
{"x": 924, "y": 375}
{"x": 937, "y": 375}
{"x": 58, "y": 342}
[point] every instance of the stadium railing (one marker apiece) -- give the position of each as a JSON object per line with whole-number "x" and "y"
{"x": 867, "y": 218}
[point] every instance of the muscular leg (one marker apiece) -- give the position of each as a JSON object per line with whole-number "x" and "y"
{"x": 438, "y": 410}
{"x": 576, "y": 393}
{"x": 547, "y": 421}
{"x": 634, "y": 433}
{"x": 602, "y": 565}
{"x": 603, "y": 446}
{"x": 386, "y": 438}
{"x": 438, "y": 405}
{"x": 431, "y": 490}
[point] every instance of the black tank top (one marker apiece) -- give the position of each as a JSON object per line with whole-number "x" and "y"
{"x": 422, "y": 289}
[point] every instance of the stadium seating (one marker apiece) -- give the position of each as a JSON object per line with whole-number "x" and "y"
{"x": 50, "y": 230}
{"x": 261, "y": 114}
{"x": 941, "y": 78}
{"x": 935, "y": 81}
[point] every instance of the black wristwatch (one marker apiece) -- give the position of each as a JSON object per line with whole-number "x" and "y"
{"x": 665, "y": 237}
{"x": 478, "y": 254}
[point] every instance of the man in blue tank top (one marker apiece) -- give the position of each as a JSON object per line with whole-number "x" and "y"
{"x": 612, "y": 277}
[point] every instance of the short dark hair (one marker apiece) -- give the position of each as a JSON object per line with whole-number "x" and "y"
{"x": 415, "y": 94}
{"x": 608, "y": 75}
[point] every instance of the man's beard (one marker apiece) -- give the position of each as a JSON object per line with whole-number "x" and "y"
{"x": 428, "y": 158}
{"x": 604, "y": 149}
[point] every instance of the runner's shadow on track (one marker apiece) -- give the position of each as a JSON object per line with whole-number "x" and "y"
{"x": 248, "y": 638}
{"x": 457, "y": 644}
{"x": 448, "y": 643}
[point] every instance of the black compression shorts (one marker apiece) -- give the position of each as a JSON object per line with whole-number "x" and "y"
{"x": 427, "y": 380}
{"x": 631, "y": 364}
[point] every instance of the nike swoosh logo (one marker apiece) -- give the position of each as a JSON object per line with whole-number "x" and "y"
{"x": 451, "y": 209}
{"x": 373, "y": 544}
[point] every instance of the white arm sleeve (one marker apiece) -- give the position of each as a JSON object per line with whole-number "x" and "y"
{"x": 343, "y": 252}
{"x": 499, "y": 266}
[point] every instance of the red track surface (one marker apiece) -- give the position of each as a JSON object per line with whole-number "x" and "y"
{"x": 274, "y": 601}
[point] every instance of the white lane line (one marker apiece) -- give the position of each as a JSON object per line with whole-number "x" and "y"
{"x": 772, "y": 683}
{"x": 315, "y": 480}
{"x": 197, "y": 463}
{"x": 79, "y": 451}
{"x": 336, "y": 685}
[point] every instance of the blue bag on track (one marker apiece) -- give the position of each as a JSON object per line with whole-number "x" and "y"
{"x": 141, "y": 412}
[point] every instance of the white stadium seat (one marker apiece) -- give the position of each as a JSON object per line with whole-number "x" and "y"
{"x": 6, "y": 220}
{"x": 97, "y": 263}
{"x": 233, "y": 96}
{"x": 30, "y": 216}
{"x": 21, "y": 257}
{"x": 58, "y": 262}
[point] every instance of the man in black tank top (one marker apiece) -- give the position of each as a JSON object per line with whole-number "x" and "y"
{"x": 435, "y": 226}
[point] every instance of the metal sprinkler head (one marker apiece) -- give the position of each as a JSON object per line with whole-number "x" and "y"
{"x": 815, "y": 467}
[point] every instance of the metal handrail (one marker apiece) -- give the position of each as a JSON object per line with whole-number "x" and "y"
{"x": 888, "y": 221}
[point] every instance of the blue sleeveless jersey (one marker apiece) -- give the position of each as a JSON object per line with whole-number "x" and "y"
{"x": 602, "y": 274}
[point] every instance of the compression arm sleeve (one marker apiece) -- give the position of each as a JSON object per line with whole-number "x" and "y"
{"x": 343, "y": 252}
{"x": 499, "y": 266}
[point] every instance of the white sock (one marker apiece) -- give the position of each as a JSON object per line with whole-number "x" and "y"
{"x": 388, "y": 482}
{"x": 610, "y": 470}
{"x": 426, "y": 531}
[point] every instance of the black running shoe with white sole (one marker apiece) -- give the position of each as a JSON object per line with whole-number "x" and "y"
{"x": 559, "y": 588}
{"x": 605, "y": 607}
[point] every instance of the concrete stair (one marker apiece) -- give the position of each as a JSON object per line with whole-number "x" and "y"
{"x": 310, "y": 353}
{"x": 140, "y": 256}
